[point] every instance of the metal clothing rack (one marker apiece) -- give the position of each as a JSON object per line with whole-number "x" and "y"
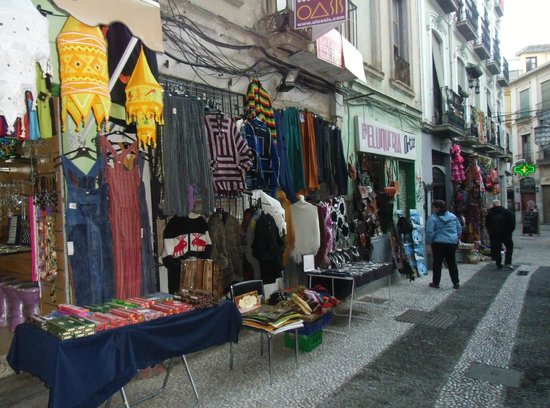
{"x": 228, "y": 102}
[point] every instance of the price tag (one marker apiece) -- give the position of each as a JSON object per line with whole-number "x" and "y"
{"x": 70, "y": 248}
{"x": 72, "y": 206}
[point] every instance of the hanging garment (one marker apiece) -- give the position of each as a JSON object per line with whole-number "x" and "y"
{"x": 122, "y": 173}
{"x": 89, "y": 240}
{"x": 290, "y": 237}
{"x": 309, "y": 151}
{"x": 294, "y": 148}
{"x": 306, "y": 227}
{"x": 268, "y": 248}
{"x": 148, "y": 269}
{"x": 325, "y": 227}
{"x": 184, "y": 237}
{"x": 340, "y": 228}
{"x": 23, "y": 44}
{"x": 185, "y": 156}
{"x": 266, "y": 173}
{"x": 285, "y": 179}
{"x": 258, "y": 105}
{"x": 230, "y": 155}
{"x": 227, "y": 248}
{"x": 339, "y": 160}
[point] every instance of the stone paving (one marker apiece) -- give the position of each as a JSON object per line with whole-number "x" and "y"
{"x": 421, "y": 366}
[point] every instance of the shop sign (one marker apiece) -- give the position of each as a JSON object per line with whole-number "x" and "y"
{"x": 330, "y": 48}
{"x": 316, "y": 12}
{"x": 376, "y": 138}
{"x": 525, "y": 169}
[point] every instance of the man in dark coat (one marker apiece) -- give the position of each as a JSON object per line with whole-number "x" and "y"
{"x": 500, "y": 223}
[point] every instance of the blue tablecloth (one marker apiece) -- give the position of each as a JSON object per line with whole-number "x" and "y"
{"x": 84, "y": 372}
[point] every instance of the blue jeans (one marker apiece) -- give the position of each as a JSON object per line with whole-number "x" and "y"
{"x": 89, "y": 239}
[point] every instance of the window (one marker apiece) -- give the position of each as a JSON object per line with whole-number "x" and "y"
{"x": 526, "y": 147}
{"x": 349, "y": 28}
{"x": 524, "y": 107}
{"x": 545, "y": 95}
{"x": 400, "y": 34}
{"x": 530, "y": 63}
{"x": 461, "y": 76}
{"x": 400, "y": 29}
{"x": 371, "y": 53}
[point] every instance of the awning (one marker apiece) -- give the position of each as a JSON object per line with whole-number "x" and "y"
{"x": 142, "y": 17}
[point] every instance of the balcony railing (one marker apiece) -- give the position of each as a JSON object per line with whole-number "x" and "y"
{"x": 402, "y": 70}
{"x": 448, "y": 6}
{"x": 493, "y": 64}
{"x": 499, "y": 7}
{"x": 467, "y": 19}
{"x": 452, "y": 109}
{"x": 482, "y": 47}
{"x": 504, "y": 78}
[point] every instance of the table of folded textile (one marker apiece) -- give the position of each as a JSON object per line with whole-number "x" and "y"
{"x": 84, "y": 372}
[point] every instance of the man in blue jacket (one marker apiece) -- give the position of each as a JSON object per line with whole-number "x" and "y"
{"x": 443, "y": 233}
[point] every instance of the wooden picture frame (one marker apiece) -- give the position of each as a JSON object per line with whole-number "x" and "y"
{"x": 247, "y": 301}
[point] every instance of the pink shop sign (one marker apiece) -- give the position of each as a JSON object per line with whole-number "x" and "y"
{"x": 376, "y": 138}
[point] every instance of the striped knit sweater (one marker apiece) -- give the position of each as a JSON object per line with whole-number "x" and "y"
{"x": 258, "y": 101}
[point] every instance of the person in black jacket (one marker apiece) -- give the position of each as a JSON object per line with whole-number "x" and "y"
{"x": 500, "y": 223}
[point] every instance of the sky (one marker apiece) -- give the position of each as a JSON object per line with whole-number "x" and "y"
{"x": 525, "y": 22}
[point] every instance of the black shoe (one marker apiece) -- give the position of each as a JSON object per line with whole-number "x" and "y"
{"x": 456, "y": 286}
{"x": 509, "y": 267}
{"x": 498, "y": 267}
{"x": 433, "y": 285}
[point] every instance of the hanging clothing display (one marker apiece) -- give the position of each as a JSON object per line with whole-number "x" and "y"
{"x": 258, "y": 105}
{"x": 230, "y": 155}
{"x": 227, "y": 248}
{"x": 339, "y": 161}
{"x": 89, "y": 239}
{"x": 326, "y": 242}
{"x": 185, "y": 157}
{"x": 290, "y": 236}
{"x": 23, "y": 43}
{"x": 294, "y": 148}
{"x": 457, "y": 164}
{"x": 265, "y": 173}
{"x": 285, "y": 179}
{"x": 338, "y": 214}
{"x": 306, "y": 227}
{"x": 184, "y": 237}
{"x": 123, "y": 177}
{"x": 148, "y": 265}
{"x": 273, "y": 207}
{"x": 268, "y": 248}
{"x": 83, "y": 73}
{"x": 309, "y": 150}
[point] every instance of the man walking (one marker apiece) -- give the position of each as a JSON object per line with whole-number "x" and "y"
{"x": 500, "y": 223}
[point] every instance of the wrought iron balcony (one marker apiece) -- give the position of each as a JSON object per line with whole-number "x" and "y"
{"x": 448, "y": 6}
{"x": 467, "y": 18}
{"x": 499, "y": 7}
{"x": 504, "y": 78}
{"x": 448, "y": 118}
{"x": 402, "y": 70}
{"x": 493, "y": 64}
{"x": 278, "y": 30}
{"x": 543, "y": 155}
{"x": 482, "y": 47}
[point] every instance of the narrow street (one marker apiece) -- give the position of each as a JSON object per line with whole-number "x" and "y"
{"x": 494, "y": 352}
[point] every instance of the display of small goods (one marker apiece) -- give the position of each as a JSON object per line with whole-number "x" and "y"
{"x": 71, "y": 321}
{"x": 309, "y": 303}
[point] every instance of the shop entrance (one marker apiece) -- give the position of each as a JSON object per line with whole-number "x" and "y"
{"x": 438, "y": 184}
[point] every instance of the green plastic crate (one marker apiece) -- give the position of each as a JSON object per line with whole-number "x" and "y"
{"x": 305, "y": 343}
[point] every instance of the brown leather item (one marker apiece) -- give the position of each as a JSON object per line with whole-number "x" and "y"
{"x": 202, "y": 274}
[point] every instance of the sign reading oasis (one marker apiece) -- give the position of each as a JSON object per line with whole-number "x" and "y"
{"x": 376, "y": 138}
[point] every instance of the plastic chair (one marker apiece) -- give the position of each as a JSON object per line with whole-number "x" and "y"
{"x": 257, "y": 285}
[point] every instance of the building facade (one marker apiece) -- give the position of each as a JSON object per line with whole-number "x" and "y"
{"x": 465, "y": 144}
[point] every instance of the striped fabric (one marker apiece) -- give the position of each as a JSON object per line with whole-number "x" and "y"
{"x": 230, "y": 155}
{"x": 258, "y": 101}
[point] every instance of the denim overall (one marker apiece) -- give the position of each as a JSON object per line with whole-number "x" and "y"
{"x": 89, "y": 239}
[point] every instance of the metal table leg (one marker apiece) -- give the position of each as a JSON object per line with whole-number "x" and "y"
{"x": 269, "y": 358}
{"x": 296, "y": 346}
{"x": 191, "y": 379}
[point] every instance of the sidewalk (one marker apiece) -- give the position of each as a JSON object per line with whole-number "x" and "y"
{"x": 344, "y": 363}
